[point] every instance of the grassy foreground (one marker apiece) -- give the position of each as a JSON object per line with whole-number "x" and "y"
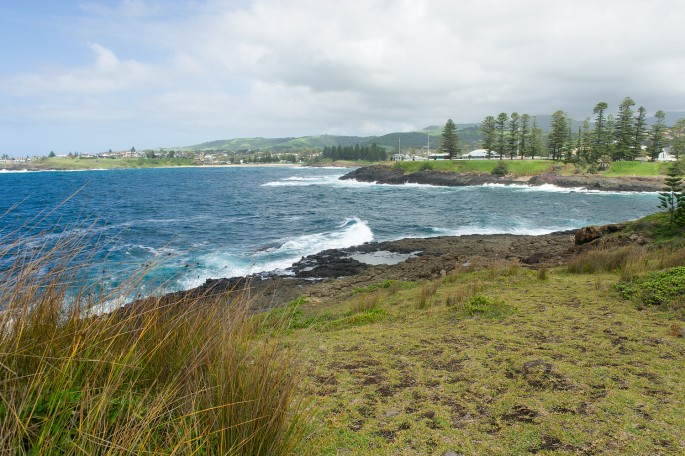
{"x": 503, "y": 360}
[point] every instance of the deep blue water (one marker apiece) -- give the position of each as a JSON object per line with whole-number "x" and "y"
{"x": 223, "y": 222}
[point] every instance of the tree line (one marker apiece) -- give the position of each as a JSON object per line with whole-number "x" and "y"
{"x": 368, "y": 153}
{"x": 515, "y": 135}
{"x": 605, "y": 138}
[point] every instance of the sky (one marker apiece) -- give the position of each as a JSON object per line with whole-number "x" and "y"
{"x": 92, "y": 75}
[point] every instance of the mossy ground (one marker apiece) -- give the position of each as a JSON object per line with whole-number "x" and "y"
{"x": 567, "y": 367}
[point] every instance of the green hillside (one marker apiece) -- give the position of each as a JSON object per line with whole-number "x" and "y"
{"x": 468, "y": 133}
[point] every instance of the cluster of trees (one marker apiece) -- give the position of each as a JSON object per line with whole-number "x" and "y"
{"x": 603, "y": 139}
{"x": 368, "y": 153}
{"x": 512, "y": 135}
{"x": 267, "y": 157}
{"x": 619, "y": 137}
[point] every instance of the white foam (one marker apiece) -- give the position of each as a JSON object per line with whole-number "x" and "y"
{"x": 551, "y": 188}
{"x": 296, "y": 181}
{"x": 518, "y": 230}
{"x": 352, "y": 231}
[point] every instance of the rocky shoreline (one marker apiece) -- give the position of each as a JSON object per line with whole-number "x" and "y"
{"x": 337, "y": 272}
{"x": 383, "y": 174}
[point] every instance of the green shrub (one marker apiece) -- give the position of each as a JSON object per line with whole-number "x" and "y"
{"x": 500, "y": 169}
{"x": 482, "y": 306}
{"x": 656, "y": 288}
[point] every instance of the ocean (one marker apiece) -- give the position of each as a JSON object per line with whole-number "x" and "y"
{"x": 185, "y": 225}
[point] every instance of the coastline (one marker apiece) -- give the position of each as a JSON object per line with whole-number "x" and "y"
{"x": 338, "y": 272}
{"x": 383, "y": 174}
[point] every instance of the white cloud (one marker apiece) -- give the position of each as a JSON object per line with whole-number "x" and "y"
{"x": 276, "y": 68}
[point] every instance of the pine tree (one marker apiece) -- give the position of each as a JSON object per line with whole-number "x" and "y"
{"x": 450, "y": 140}
{"x": 524, "y": 143}
{"x": 656, "y": 134}
{"x": 671, "y": 196}
{"x": 640, "y": 130}
{"x": 535, "y": 139}
{"x": 513, "y": 140}
{"x": 600, "y": 140}
{"x": 584, "y": 140}
{"x": 624, "y": 134}
{"x": 501, "y": 128}
{"x": 558, "y": 135}
{"x": 678, "y": 139}
{"x": 487, "y": 127}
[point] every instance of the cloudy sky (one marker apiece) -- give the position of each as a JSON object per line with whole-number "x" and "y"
{"x": 87, "y": 76}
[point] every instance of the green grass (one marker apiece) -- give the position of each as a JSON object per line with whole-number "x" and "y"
{"x": 526, "y": 365}
{"x": 632, "y": 168}
{"x": 532, "y": 167}
{"x": 516, "y": 167}
{"x": 507, "y": 361}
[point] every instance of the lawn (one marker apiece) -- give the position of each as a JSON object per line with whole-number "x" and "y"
{"x": 532, "y": 167}
{"x": 498, "y": 361}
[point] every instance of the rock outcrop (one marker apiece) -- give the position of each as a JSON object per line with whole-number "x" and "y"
{"x": 590, "y": 233}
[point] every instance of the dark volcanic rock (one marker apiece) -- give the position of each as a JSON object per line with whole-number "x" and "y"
{"x": 388, "y": 175}
{"x": 611, "y": 184}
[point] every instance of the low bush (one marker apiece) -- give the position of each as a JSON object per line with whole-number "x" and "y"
{"x": 656, "y": 288}
{"x": 500, "y": 169}
{"x": 482, "y": 306}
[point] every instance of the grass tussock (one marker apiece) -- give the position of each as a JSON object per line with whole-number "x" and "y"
{"x": 427, "y": 292}
{"x": 485, "y": 307}
{"x": 189, "y": 376}
{"x": 603, "y": 260}
{"x": 461, "y": 294}
{"x": 543, "y": 273}
{"x": 503, "y": 268}
{"x": 366, "y": 302}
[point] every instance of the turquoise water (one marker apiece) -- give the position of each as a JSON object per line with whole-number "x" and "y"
{"x": 199, "y": 223}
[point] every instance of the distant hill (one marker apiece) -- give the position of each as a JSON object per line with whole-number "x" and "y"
{"x": 469, "y": 134}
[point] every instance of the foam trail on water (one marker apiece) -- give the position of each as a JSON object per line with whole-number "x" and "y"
{"x": 519, "y": 230}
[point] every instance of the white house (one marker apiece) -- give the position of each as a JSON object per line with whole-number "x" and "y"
{"x": 665, "y": 156}
{"x": 479, "y": 153}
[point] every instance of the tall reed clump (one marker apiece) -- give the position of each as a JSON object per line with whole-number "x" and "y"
{"x": 181, "y": 375}
{"x": 604, "y": 260}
